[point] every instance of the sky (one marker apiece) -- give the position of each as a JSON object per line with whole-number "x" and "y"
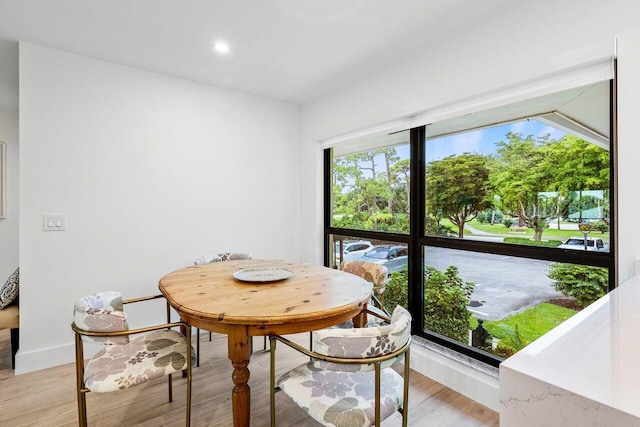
{"x": 481, "y": 141}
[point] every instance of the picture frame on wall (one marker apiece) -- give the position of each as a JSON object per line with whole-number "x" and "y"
{"x": 3, "y": 180}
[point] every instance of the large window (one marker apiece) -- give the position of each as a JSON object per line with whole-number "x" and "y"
{"x": 496, "y": 226}
{"x": 371, "y": 186}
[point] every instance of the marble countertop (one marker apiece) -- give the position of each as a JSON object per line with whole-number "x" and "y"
{"x": 595, "y": 353}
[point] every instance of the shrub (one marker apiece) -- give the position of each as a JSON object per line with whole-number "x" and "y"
{"x": 584, "y": 283}
{"x": 507, "y": 222}
{"x": 445, "y": 303}
{"x": 396, "y": 292}
{"x": 445, "y": 300}
{"x": 601, "y": 226}
{"x": 504, "y": 350}
{"x": 434, "y": 228}
{"x": 483, "y": 217}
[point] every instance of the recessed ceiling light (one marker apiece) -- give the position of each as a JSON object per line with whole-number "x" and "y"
{"x": 221, "y": 47}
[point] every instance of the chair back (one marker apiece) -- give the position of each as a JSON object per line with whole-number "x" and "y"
{"x": 374, "y": 273}
{"x": 224, "y": 256}
{"x": 101, "y": 312}
{"x": 363, "y": 343}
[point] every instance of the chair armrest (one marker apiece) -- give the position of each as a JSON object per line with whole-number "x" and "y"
{"x": 148, "y": 298}
{"x": 376, "y": 312}
{"x": 341, "y": 360}
{"x": 79, "y": 331}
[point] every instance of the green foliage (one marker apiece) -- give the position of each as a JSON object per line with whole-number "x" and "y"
{"x": 529, "y": 242}
{"x": 508, "y": 222}
{"x": 601, "y": 226}
{"x": 368, "y": 196}
{"x": 445, "y": 303}
{"x": 433, "y": 227}
{"x": 457, "y": 188}
{"x": 584, "y": 283}
{"x": 396, "y": 292}
{"x": 504, "y": 350}
{"x": 532, "y": 323}
{"x": 511, "y": 336}
{"x": 484, "y": 217}
{"x": 525, "y": 327}
{"x": 445, "y": 300}
{"x": 535, "y": 178}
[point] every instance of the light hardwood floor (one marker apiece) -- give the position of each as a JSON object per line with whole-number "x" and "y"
{"x": 47, "y": 397}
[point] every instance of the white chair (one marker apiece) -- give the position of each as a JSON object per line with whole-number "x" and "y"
{"x": 130, "y": 356}
{"x": 350, "y": 380}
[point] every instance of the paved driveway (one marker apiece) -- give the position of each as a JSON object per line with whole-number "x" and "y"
{"x": 504, "y": 284}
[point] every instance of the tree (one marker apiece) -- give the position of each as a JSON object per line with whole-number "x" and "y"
{"x": 535, "y": 178}
{"x": 574, "y": 164}
{"x": 521, "y": 179}
{"x": 457, "y": 188}
{"x": 371, "y": 184}
{"x": 390, "y": 156}
{"x": 400, "y": 173}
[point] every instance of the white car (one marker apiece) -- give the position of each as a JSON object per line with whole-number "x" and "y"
{"x": 352, "y": 249}
{"x": 593, "y": 244}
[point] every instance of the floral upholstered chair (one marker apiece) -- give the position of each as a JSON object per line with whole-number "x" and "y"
{"x": 207, "y": 259}
{"x": 350, "y": 381}
{"x": 130, "y": 356}
{"x": 224, "y": 256}
{"x": 377, "y": 275}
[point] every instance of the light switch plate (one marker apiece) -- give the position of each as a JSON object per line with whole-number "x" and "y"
{"x": 53, "y": 222}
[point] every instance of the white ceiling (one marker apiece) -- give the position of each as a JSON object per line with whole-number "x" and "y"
{"x": 292, "y": 50}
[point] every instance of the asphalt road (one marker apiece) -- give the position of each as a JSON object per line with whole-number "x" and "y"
{"x": 504, "y": 284}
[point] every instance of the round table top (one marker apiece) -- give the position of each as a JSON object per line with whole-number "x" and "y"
{"x": 209, "y": 295}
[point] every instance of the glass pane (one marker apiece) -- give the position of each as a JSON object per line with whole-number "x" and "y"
{"x": 524, "y": 183}
{"x": 513, "y": 300}
{"x": 392, "y": 255}
{"x": 371, "y": 187}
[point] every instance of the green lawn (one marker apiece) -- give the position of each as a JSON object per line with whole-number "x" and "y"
{"x": 548, "y": 234}
{"x": 532, "y": 323}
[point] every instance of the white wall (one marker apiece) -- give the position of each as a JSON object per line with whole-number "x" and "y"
{"x": 527, "y": 40}
{"x": 9, "y": 225}
{"x": 151, "y": 171}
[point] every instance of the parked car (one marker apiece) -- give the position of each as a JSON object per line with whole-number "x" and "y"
{"x": 352, "y": 249}
{"x": 593, "y": 244}
{"x": 391, "y": 256}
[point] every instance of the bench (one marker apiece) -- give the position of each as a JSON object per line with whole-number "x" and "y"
{"x": 518, "y": 229}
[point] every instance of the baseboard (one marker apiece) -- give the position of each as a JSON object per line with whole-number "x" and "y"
{"x": 44, "y": 358}
{"x": 467, "y": 376}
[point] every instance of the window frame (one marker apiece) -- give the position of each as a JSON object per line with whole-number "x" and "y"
{"x": 416, "y": 239}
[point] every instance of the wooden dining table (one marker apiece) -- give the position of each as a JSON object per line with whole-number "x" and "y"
{"x": 259, "y": 303}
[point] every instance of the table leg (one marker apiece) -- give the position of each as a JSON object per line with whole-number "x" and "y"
{"x": 240, "y": 348}
{"x": 360, "y": 321}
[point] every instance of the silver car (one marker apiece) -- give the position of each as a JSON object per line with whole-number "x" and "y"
{"x": 352, "y": 249}
{"x": 391, "y": 256}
